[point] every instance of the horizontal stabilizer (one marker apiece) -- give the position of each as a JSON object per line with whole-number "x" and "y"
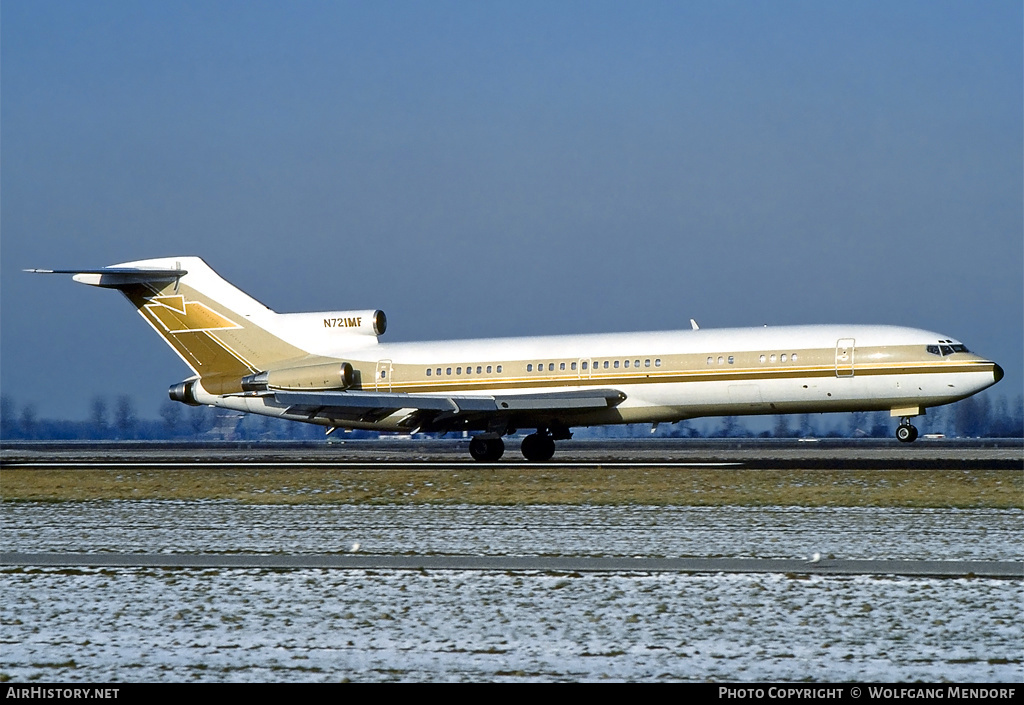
{"x": 116, "y": 276}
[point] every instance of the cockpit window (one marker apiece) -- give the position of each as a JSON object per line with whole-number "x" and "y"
{"x": 947, "y": 349}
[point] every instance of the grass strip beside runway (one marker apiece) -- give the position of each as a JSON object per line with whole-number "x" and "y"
{"x": 670, "y": 486}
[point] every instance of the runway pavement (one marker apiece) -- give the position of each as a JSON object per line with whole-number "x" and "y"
{"x": 824, "y": 566}
{"x": 990, "y": 454}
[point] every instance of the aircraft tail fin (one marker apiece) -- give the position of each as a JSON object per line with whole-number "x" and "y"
{"x": 220, "y": 332}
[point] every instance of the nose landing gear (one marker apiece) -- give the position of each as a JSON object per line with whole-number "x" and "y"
{"x": 906, "y": 432}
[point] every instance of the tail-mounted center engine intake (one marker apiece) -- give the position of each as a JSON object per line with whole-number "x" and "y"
{"x": 332, "y": 375}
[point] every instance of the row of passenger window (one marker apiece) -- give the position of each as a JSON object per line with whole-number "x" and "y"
{"x": 782, "y": 358}
{"x": 731, "y": 359}
{"x": 480, "y": 369}
{"x": 540, "y": 367}
{"x": 597, "y": 364}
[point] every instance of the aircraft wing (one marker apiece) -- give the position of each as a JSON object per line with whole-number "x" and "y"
{"x": 441, "y": 412}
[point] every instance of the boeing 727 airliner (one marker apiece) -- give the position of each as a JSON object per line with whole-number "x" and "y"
{"x": 330, "y": 369}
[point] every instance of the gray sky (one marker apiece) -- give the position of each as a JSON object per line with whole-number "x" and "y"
{"x": 492, "y": 168}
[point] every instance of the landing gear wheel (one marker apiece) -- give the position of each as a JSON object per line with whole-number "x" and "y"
{"x": 906, "y": 433}
{"x": 486, "y": 449}
{"x": 538, "y": 448}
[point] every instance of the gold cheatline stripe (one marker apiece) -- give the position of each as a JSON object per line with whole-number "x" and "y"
{"x": 749, "y": 374}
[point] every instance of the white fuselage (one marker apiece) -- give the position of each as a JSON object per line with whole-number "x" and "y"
{"x": 673, "y": 375}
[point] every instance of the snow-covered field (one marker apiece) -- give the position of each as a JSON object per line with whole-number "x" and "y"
{"x": 141, "y": 624}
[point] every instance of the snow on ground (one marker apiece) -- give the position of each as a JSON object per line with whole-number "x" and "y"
{"x": 143, "y": 624}
{"x": 314, "y": 625}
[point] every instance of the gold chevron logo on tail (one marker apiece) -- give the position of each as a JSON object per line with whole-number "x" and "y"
{"x": 179, "y": 316}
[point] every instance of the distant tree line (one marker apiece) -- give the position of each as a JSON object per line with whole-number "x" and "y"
{"x": 980, "y": 416}
{"x": 118, "y": 420}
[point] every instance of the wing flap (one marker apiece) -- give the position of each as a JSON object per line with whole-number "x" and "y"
{"x": 560, "y": 401}
{"x": 453, "y": 404}
{"x": 358, "y": 400}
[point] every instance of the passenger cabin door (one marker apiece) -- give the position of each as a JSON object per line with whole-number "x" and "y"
{"x": 844, "y": 357}
{"x": 382, "y": 380}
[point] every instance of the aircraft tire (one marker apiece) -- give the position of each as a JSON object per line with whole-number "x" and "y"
{"x": 538, "y": 448}
{"x": 906, "y": 433}
{"x": 486, "y": 449}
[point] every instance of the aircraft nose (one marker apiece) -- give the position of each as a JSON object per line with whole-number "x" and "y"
{"x": 997, "y": 372}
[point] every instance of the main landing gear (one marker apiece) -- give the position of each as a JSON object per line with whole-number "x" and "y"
{"x": 906, "y": 432}
{"x": 487, "y": 449}
{"x": 537, "y": 447}
{"x": 540, "y": 446}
